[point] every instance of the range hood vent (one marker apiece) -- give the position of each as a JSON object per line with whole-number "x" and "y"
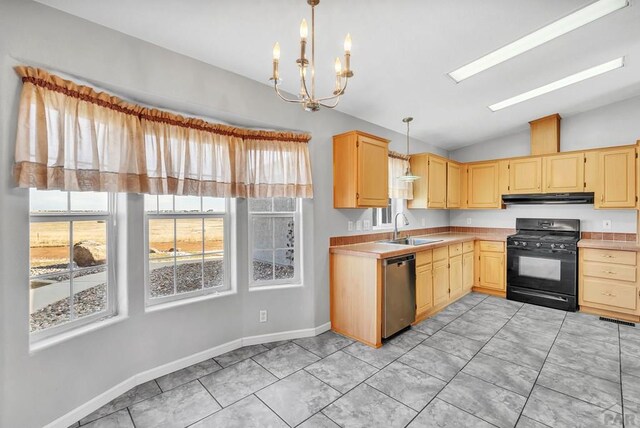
{"x": 548, "y": 198}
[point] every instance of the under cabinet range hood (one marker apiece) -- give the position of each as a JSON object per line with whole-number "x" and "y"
{"x": 548, "y": 198}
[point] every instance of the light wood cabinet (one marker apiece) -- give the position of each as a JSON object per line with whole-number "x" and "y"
{"x": 590, "y": 171}
{"x": 503, "y": 177}
{"x": 360, "y": 171}
{"x": 430, "y": 191}
{"x": 564, "y": 173}
{"x": 491, "y": 271}
{"x": 467, "y": 271}
{"x": 482, "y": 185}
{"x": 424, "y": 289}
{"x": 616, "y": 185}
{"x": 454, "y": 194}
{"x": 608, "y": 283}
{"x": 440, "y": 282}
{"x": 525, "y": 175}
{"x": 455, "y": 277}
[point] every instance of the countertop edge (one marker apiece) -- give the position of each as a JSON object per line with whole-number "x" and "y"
{"x": 609, "y": 245}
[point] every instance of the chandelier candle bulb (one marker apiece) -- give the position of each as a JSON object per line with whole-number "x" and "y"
{"x": 304, "y": 30}
{"x": 276, "y": 59}
{"x": 338, "y": 68}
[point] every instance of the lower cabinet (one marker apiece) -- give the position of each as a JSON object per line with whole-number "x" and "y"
{"x": 491, "y": 267}
{"x": 608, "y": 283}
{"x": 467, "y": 271}
{"x": 440, "y": 282}
{"x": 424, "y": 282}
{"x": 455, "y": 277}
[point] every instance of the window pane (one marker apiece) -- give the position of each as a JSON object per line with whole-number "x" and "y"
{"x": 262, "y": 265}
{"x": 214, "y": 235}
{"x": 90, "y": 291}
{"x": 161, "y": 277}
{"x": 49, "y": 247}
{"x": 47, "y": 201}
{"x": 188, "y": 204}
{"x": 161, "y": 238}
{"x": 189, "y": 236}
{"x": 89, "y": 201}
{"x": 189, "y": 274}
{"x": 49, "y": 304}
{"x": 89, "y": 243}
{"x": 262, "y": 232}
{"x": 213, "y": 271}
{"x": 151, "y": 203}
{"x": 216, "y": 205}
{"x": 260, "y": 205}
{"x": 284, "y": 204}
{"x": 165, "y": 203}
{"x": 284, "y": 268}
{"x": 284, "y": 232}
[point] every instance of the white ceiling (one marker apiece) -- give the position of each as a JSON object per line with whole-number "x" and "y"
{"x": 402, "y": 52}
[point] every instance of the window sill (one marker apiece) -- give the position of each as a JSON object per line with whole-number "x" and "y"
{"x": 268, "y": 287}
{"x": 48, "y": 342}
{"x": 186, "y": 301}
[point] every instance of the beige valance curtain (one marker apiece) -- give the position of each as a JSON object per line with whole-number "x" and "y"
{"x": 71, "y": 137}
{"x": 398, "y": 164}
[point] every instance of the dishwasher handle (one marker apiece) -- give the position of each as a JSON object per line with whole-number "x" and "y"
{"x": 400, "y": 260}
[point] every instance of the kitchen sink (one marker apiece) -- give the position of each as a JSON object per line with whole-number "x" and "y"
{"x": 411, "y": 241}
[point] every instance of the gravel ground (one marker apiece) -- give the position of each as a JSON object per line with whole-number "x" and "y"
{"x": 64, "y": 275}
{"x": 86, "y": 302}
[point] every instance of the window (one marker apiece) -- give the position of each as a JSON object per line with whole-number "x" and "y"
{"x": 187, "y": 238}
{"x": 71, "y": 278}
{"x": 383, "y": 217}
{"x": 274, "y": 241}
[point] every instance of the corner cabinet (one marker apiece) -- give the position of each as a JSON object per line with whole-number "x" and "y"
{"x": 616, "y": 185}
{"x": 360, "y": 170}
{"x": 430, "y": 190}
{"x": 482, "y": 185}
{"x": 454, "y": 189}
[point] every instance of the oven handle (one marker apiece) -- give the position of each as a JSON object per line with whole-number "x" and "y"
{"x": 541, "y": 251}
{"x": 544, "y": 296}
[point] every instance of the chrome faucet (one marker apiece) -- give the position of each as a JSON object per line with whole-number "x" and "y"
{"x": 395, "y": 224}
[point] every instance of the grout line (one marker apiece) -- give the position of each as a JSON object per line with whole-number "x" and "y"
{"x": 131, "y": 417}
{"x": 621, "y": 390}
{"x": 274, "y": 412}
{"x": 214, "y": 398}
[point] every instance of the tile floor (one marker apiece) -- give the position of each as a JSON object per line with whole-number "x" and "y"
{"x": 481, "y": 362}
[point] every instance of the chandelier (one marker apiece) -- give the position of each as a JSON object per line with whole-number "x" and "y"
{"x": 307, "y": 96}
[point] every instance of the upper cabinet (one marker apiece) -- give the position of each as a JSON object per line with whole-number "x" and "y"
{"x": 616, "y": 184}
{"x": 430, "y": 190}
{"x": 482, "y": 187}
{"x": 360, "y": 170}
{"x": 454, "y": 188}
{"x": 525, "y": 175}
{"x": 564, "y": 173}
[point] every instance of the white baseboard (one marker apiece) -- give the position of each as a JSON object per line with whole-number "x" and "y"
{"x": 154, "y": 373}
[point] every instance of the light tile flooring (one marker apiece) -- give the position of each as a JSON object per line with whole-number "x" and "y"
{"x": 481, "y": 362}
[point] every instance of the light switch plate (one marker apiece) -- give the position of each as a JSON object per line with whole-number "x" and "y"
{"x": 263, "y": 315}
{"x": 359, "y": 225}
{"x": 606, "y": 224}
{"x": 468, "y": 220}
{"x": 367, "y": 225}
{"x": 424, "y": 222}
{"x": 350, "y": 226}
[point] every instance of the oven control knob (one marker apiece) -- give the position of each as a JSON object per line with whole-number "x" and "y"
{"x": 538, "y": 244}
{"x": 562, "y": 247}
{"x": 553, "y": 245}
{"x": 524, "y": 244}
{"x": 515, "y": 242}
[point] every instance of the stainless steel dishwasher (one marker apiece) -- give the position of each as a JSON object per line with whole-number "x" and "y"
{"x": 399, "y": 293}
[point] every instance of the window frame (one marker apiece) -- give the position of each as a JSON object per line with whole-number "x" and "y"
{"x": 396, "y": 205}
{"x": 298, "y": 247}
{"x": 111, "y": 310}
{"x": 151, "y": 303}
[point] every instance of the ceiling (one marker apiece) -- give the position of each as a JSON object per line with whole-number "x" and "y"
{"x": 402, "y": 52}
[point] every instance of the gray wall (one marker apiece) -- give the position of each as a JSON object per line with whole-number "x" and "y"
{"x": 38, "y": 387}
{"x": 613, "y": 125}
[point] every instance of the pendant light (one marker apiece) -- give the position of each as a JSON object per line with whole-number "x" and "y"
{"x": 408, "y": 176}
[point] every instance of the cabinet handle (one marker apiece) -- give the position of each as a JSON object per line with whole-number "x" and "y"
{"x": 608, "y": 272}
{"x": 608, "y": 256}
{"x": 602, "y": 198}
{"x": 608, "y": 294}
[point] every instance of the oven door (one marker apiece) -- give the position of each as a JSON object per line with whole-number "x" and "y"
{"x": 547, "y": 270}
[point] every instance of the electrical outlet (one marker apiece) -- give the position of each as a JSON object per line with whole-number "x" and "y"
{"x": 350, "y": 226}
{"x": 424, "y": 222}
{"x": 263, "y": 315}
{"x": 606, "y": 224}
{"x": 468, "y": 220}
{"x": 359, "y": 225}
{"x": 367, "y": 225}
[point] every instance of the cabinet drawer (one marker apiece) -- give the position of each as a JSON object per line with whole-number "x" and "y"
{"x": 493, "y": 246}
{"x": 423, "y": 257}
{"x": 610, "y": 271}
{"x": 467, "y": 247}
{"x": 610, "y": 293}
{"x": 610, "y": 256}
{"x": 440, "y": 253}
{"x": 455, "y": 250}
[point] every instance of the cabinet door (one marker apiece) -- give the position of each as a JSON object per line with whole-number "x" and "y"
{"x": 453, "y": 185}
{"x": 616, "y": 187}
{"x": 437, "y": 183}
{"x": 492, "y": 271}
{"x": 483, "y": 185}
{"x": 373, "y": 189}
{"x": 424, "y": 288}
{"x": 590, "y": 171}
{"x": 440, "y": 282}
{"x": 467, "y": 271}
{"x": 420, "y": 167}
{"x": 455, "y": 276}
{"x": 564, "y": 173}
{"x": 525, "y": 176}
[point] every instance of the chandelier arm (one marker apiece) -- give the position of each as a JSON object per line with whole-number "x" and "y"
{"x": 283, "y": 98}
{"x": 334, "y": 105}
{"x": 338, "y": 95}
{"x": 304, "y": 86}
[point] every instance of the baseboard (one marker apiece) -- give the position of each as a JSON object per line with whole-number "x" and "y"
{"x": 154, "y": 373}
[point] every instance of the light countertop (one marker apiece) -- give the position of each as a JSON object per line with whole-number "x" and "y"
{"x": 609, "y": 245}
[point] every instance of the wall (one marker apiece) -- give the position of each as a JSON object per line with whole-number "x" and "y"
{"x": 38, "y": 387}
{"x": 613, "y": 125}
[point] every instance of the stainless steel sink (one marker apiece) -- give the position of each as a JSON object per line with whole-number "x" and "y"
{"x": 411, "y": 241}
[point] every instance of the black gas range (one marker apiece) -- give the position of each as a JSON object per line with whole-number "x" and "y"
{"x": 542, "y": 262}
